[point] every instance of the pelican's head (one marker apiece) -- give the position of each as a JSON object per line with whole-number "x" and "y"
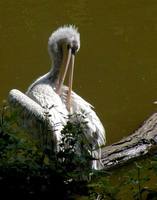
{"x": 64, "y": 37}
{"x": 63, "y": 44}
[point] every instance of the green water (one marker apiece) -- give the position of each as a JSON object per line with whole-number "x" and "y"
{"x": 116, "y": 67}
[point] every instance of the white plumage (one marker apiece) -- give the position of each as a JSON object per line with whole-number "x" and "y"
{"x": 49, "y": 92}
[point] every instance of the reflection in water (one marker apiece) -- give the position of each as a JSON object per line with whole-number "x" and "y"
{"x": 117, "y": 64}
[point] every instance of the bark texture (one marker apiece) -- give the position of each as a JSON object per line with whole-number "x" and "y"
{"x": 141, "y": 142}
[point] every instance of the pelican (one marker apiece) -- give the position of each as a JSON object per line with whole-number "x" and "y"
{"x": 49, "y": 92}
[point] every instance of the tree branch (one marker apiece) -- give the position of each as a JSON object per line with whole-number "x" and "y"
{"x": 141, "y": 142}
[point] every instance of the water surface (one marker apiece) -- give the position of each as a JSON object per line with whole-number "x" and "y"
{"x": 116, "y": 67}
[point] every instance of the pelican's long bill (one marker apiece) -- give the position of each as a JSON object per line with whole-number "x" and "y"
{"x": 70, "y": 82}
{"x": 70, "y": 59}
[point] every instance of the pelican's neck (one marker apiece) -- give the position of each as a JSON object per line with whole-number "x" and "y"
{"x": 52, "y": 76}
{"x": 57, "y": 60}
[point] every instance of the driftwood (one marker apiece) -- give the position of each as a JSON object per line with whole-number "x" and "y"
{"x": 138, "y": 144}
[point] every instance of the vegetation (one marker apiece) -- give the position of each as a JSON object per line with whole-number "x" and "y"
{"x": 30, "y": 170}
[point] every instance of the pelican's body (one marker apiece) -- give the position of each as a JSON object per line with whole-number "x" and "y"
{"x": 49, "y": 92}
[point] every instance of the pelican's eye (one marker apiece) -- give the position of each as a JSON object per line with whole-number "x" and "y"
{"x": 74, "y": 47}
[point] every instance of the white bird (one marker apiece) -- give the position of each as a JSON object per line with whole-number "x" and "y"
{"x": 48, "y": 92}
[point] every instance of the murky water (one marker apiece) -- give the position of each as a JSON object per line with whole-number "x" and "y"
{"x": 116, "y": 68}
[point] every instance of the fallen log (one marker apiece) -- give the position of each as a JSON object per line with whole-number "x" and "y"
{"x": 140, "y": 143}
